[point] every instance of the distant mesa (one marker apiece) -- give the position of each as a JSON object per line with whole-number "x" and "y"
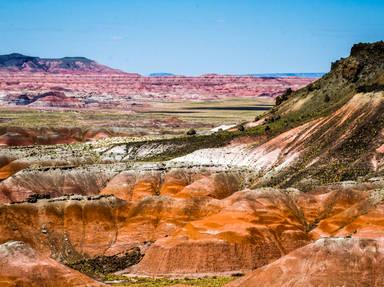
{"x": 161, "y": 75}
{"x": 284, "y": 75}
{"x": 19, "y": 62}
{"x": 257, "y": 75}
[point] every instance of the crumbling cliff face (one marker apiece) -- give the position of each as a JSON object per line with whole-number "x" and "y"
{"x": 74, "y": 227}
{"x": 236, "y": 233}
{"x": 54, "y": 182}
{"x": 256, "y": 227}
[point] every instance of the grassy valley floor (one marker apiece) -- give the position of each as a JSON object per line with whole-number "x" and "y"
{"x": 216, "y": 281}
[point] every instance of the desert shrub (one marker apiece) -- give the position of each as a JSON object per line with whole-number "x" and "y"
{"x": 272, "y": 118}
{"x": 240, "y": 128}
{"x": 191, "y": 132}
{"x": 283, "y": 97}
{"x": 108, "y": 264}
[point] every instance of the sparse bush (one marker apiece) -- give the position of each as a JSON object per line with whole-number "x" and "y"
{"x": 327, "y": 98}
{"x": 283, "y": 97}
{"x": 33, "y": 198}
{"x": 191, "y": 132}
{"x": 108, "y": 264}
{"x": 240, "y": 128}
{"x": 272, "y": 118}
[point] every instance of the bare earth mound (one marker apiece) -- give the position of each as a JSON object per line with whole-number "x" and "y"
{"x": 21, "y": 265}
{"x": 327, "y": 262}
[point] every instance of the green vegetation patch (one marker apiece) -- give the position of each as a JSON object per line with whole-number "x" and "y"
{"x": 107, "y": 264}
{"x": 163, "y": 282}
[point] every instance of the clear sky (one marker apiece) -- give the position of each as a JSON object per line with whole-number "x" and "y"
{"x": 192, "y": 36}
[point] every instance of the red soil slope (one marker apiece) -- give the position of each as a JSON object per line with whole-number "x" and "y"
{"x": 190, "y": 214}
{"x": 327, "y": 262}
{"x": 21, "y": 265}
{"x": 253, "y": 228}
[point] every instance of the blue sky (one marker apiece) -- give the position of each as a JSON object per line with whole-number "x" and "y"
{"x": 192, "y": 36}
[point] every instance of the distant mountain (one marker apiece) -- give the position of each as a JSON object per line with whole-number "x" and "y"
{"x": 263, "y": 75}
{"x": 282, "y": 75}
{"x": 161, "y": 74}
{"x": 19, "y": 62}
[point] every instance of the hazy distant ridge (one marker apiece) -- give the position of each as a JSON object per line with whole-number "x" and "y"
{"x": 282, "y": 75}
{"x": 266, "y": 75}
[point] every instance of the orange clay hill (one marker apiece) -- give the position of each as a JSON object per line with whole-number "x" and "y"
{"x": 21, "y": 265}
{"x": 294, "y": 198}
